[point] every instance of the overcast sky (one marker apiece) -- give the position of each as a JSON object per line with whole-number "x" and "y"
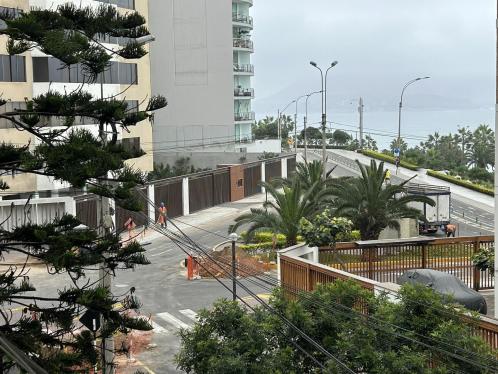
{"x": 380, "y": 44}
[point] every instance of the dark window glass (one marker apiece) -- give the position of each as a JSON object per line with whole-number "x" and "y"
{"x": 49, "y": 69}
{"x": 40, "y": 69}
{"x": 10, "y": 106}
{"x": 131, "y": 144}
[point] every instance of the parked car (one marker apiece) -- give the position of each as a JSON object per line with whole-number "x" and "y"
{"x": 448, "y": 285}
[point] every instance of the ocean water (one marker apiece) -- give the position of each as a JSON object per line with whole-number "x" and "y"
{"x": 415, "y": 125}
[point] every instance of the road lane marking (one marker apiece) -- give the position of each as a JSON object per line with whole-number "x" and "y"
{"x": 161, "y": 253}
{"x": 157, "y": 328}
{"x": 173, "y": 320}
{"x": 189, "y": 313}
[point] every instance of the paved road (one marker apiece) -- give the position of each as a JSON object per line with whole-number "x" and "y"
{"x": 470, "y": 219}
{"x": 167, "y": 296}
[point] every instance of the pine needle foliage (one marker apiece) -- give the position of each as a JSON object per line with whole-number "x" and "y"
{"x": 47, "y": 328}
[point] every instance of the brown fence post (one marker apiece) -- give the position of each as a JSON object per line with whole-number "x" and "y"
{"x": 309, "y": 287}
{"x": 477, "y": 272}
{"x": 424, "y": 256}
{"x": 370, "y": 262}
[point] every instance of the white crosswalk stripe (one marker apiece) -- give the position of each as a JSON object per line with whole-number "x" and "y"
{"x": 157, "y": 328}
{"x": 189, "y": 313}
{"x": 172, "y": 320}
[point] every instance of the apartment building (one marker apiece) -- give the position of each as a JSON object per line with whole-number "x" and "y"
{"x": 33, "y": 73}
{"x": 201, "y": 62}
{"x": 243, "y": 70}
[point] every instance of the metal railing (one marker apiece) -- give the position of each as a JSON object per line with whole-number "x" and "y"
{"x": 248, "y": 116}
{"x": 385, "y": 261}
{"x": 243, "y": 43}
{"x": 241, "y": 18}
{"x": 243, "y": 92}
{"x": 243, "y": 68}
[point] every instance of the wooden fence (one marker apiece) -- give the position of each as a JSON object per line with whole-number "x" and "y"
{"x": 385, "y": 261}
{"x": 298, "y": 274}
{"x": 203, "y": 190}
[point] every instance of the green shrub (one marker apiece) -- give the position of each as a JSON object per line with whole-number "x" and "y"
{"x": 461, "y": 182}
{"x": 348, "y": 236}
{"x": 324, "y": 229}
{"x": 388, "y": 159}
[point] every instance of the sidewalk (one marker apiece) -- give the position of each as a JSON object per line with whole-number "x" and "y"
{"x": 221, "y": 212}
{"x": 464, "y": 194}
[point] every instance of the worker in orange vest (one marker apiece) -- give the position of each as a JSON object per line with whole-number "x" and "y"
{"x": 163, "y": 216}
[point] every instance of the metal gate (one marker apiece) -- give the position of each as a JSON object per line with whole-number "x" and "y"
{"x": 170, "y": 193}
{"x": 252, "y": 177}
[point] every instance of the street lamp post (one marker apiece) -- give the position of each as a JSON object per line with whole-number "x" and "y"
{"x": 305, "y": 123}
{"x": 233, "y": 238}
{"x": 279, "y": 115}
{"x": 324, "y": 113}
{"x": 295, "y": 123}
{"x": 401, "y": 106}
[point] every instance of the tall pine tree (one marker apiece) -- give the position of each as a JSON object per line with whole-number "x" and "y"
{"x": 74, "y": 36}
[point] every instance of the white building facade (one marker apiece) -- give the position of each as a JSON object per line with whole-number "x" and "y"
{"x": 201, "y": 61}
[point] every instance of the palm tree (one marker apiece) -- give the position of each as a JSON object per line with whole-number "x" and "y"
{"x": 482, "y": 151}
{"x": 372, "y": 206}
{"x": 281, "y": 216}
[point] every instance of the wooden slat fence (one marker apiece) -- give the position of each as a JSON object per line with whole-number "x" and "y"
{"x": 252, "y": 177}
{"x": 171, "y": 194}
{"x": 86, "y": 211}
{"x": 300, "y": 275}
{"x": 273, "y": 169}
{"x": 122, "y": 215}
{"x": 386, "y": 262}
{"x": 291, "y": 166}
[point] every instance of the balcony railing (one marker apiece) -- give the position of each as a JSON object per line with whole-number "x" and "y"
{"x": 243, "y": 68}
{"x": 241, "y": 18}
{"x": 248, "y": 116}
{"x": 243, "y": 43}
{"x": 243, "y": 92}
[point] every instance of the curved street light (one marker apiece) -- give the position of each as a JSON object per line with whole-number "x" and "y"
{"x": 401, "y": 105}
{"x": 278, "y": 120}
{"x": 324, "y": 113}
{"x": 305, "y": 123}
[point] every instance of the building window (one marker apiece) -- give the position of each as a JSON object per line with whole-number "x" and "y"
{"x": 129, "y": 4}
{"x": 132, "y": 106}
{"x": 131, "y": 145}
{"x": 12, "y": 68}
{"x": 49, "y": 69}
{"x": 12, "y": 12}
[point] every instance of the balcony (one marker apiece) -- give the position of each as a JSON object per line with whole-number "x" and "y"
{"x": 243, "y": 44}
{"x": 244, "y": 117}
{"x": 242, "y": 20}
{"x": 245, "y": 93}
{"x": 250, "y": 2}
{"x": 243, "y": 69}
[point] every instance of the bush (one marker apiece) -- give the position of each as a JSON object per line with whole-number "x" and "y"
{"x": 389, "y": 159}
{"x": 461, "y": 182}
{"x": 324, "y": 229}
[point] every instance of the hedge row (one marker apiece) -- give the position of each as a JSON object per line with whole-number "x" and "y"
{"x": 461, "y": 182}
{"x": 388, "y": 158}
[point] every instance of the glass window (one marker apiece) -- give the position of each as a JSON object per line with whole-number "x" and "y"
{"x": 40, "y": 69}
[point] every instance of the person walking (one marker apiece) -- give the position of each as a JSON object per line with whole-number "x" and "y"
{"x": 163, "y": 216}
{"x": 450, "y": 230}
{"x": 388, "y": 177}
{"x": 130, "y": 226}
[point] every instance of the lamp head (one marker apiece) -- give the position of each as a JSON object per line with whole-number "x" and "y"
{"x": 233, "y": 237}
{"x": 313, "y": 63}
{"x": 334, "y": 64}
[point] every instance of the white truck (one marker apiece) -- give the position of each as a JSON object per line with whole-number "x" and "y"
{"x": 437, "y": 216}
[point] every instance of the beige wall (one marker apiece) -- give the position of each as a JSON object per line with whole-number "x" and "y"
{"x": 19, "y": 91}
{"x": 141, "y": 92}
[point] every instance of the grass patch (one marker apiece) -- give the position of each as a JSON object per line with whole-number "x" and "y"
{"x": 389, "y": 159}
{"x": 461, "y": 182}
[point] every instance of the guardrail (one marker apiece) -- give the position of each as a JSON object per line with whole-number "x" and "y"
{"x": 241, "y": 18}
{"x": 243, "y": 68}
{"x": 243, "y": 92}
{"x": 243, "y": 43}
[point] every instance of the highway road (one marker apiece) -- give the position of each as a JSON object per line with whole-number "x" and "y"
{"x": 470, "y": 219}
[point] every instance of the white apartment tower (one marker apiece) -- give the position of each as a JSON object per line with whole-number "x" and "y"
{"x": 201, "y": 61}
{"x": 243, "y": 70}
